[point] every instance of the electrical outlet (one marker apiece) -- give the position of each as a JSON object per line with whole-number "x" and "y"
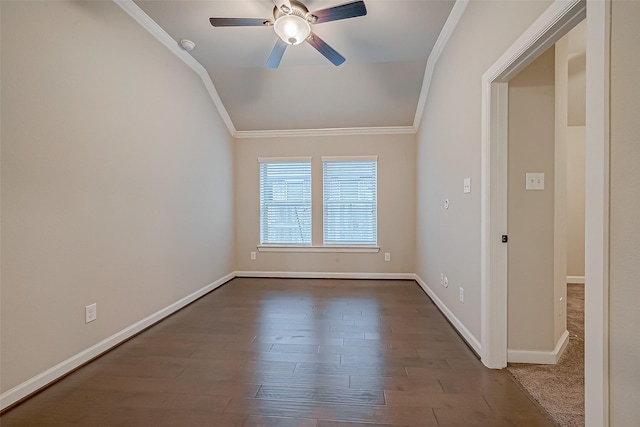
{"x": 387, "y": 256}
{"x": 466, "y": 187}
{"x": 253, "y": 255}
{"x": 90, "y": 313}
{"x": 446, "y": 282}
{"x": 461, "y": 296}
{"x": 535, "y": 181}
{"x": 442, "y": 279}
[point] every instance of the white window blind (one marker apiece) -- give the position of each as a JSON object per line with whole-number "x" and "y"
{"x": 350, "y": 202}
{"x": 285, "y": 202}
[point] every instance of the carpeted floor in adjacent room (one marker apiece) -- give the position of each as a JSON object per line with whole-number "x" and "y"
{"x": 559, "y": 389}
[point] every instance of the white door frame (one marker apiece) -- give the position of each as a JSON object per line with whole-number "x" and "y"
{"x": 555, "y": 22}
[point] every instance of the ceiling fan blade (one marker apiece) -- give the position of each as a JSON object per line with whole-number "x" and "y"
{"x": 239, "y": 22}
{"x": 276, "y": 54}
{"x": 283, "y": 5}
{"x": 322, "y": 47}
{"x": 343, "y": 11}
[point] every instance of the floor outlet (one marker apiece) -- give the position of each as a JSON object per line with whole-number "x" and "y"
{"x": 462, "y": 295}
{"x": 90, "y": 313}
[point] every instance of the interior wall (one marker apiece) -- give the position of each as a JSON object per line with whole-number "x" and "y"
{"x": 396, "y": 203}
{"x": 531, "y": 212}
{"x": 624, "y": 298}
{"x": 116, "y": 180}
{"x": 577, "y": 89}
{"x": 575, "y": 138}
{"x": 560, "y": 207}
{"x": 575, "y": 200}
{"x": 448, "y": 151}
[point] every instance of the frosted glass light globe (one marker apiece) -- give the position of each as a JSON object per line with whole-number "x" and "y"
{"x": 292, "y": 29}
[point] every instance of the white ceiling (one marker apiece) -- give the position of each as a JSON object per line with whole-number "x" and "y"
{"x": 379, "y": 85}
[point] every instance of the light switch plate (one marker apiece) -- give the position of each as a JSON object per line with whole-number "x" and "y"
{"x": 90, "y": 313}
{"x": 467, "y": 185}
{"x": 535, "y": 181}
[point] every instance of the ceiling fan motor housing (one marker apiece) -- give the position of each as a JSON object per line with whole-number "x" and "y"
{"x": 297, "y": 8}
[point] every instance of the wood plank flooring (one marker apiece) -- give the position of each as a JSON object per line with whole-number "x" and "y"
{"x": 289, "y": 352}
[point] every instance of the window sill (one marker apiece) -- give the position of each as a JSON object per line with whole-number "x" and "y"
{"x": 320, "y": 249}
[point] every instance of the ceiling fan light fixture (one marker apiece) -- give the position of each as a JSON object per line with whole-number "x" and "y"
{"x": 292, "y": 29}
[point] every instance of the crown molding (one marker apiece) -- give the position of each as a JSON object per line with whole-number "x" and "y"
{"x": 163, "y": 37}
{"x": 438, "y": 47}
{"x": 391, "y": 130}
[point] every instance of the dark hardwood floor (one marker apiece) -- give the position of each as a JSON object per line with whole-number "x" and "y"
{"x": 289, "y": 352}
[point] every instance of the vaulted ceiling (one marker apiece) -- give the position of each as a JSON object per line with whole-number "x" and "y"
{"x": 378, "y": 86}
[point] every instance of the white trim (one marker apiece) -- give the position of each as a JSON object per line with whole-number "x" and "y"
{"x": 39, "y": 381}
{"x": 284, "y": 159}
{"x": 493, "y": 198}
{"x": 559, "y": 18}
{"x": 457, "y": 323}
{"x": 349, "y": 158}
{"x": 450, "y": 25}
{"x": 287, "y": 133}
{"x": 554, "y": 22}
{"x": 156, "y": 31}
{"x": 326, "y": 275}
{"x": 538, "y": 356}
{"x": 577, "y": 280}
{"x": 596, "y": 311}
{"x": 319, "y": 249}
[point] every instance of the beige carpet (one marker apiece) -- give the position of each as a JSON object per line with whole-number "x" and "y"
{"x": 559, "y": 389}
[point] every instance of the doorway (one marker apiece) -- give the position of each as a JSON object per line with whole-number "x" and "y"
{"x": 546, "y": 245}
{"x": 554, "y": 23}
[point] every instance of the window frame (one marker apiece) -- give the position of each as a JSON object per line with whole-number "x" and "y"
{"x": 283, "y": 160}
{"x": 350, "y": 159}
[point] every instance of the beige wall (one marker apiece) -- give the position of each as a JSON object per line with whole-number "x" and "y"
{"x": 560, "y": 191}
{"x": 396, "y": 203}
{"x": 577, "y": 89}
{"x": 625, "y": 215}
{"x": 577, "y": 66}
{"x": 575, "y": 148}
{"x": 116, "y": 180}
{"x": 448, "y": 151}
{"x": 575, "y": 200}
{"x": 531, "y": 212}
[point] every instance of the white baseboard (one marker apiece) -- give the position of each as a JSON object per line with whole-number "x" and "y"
{"x": 538, "y": 356}
{"x": 457, "y": 323}
{"x": 326, "y": 275}
{"x": 579, "y": 280}
{"x": 42, "y": 379}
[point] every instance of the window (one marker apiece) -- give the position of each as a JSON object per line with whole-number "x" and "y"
{"x": 350, "y": 200}
{"x": 285, "y": 201}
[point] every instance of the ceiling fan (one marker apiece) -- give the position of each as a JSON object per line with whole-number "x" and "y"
{"x": 292, "y": 23}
